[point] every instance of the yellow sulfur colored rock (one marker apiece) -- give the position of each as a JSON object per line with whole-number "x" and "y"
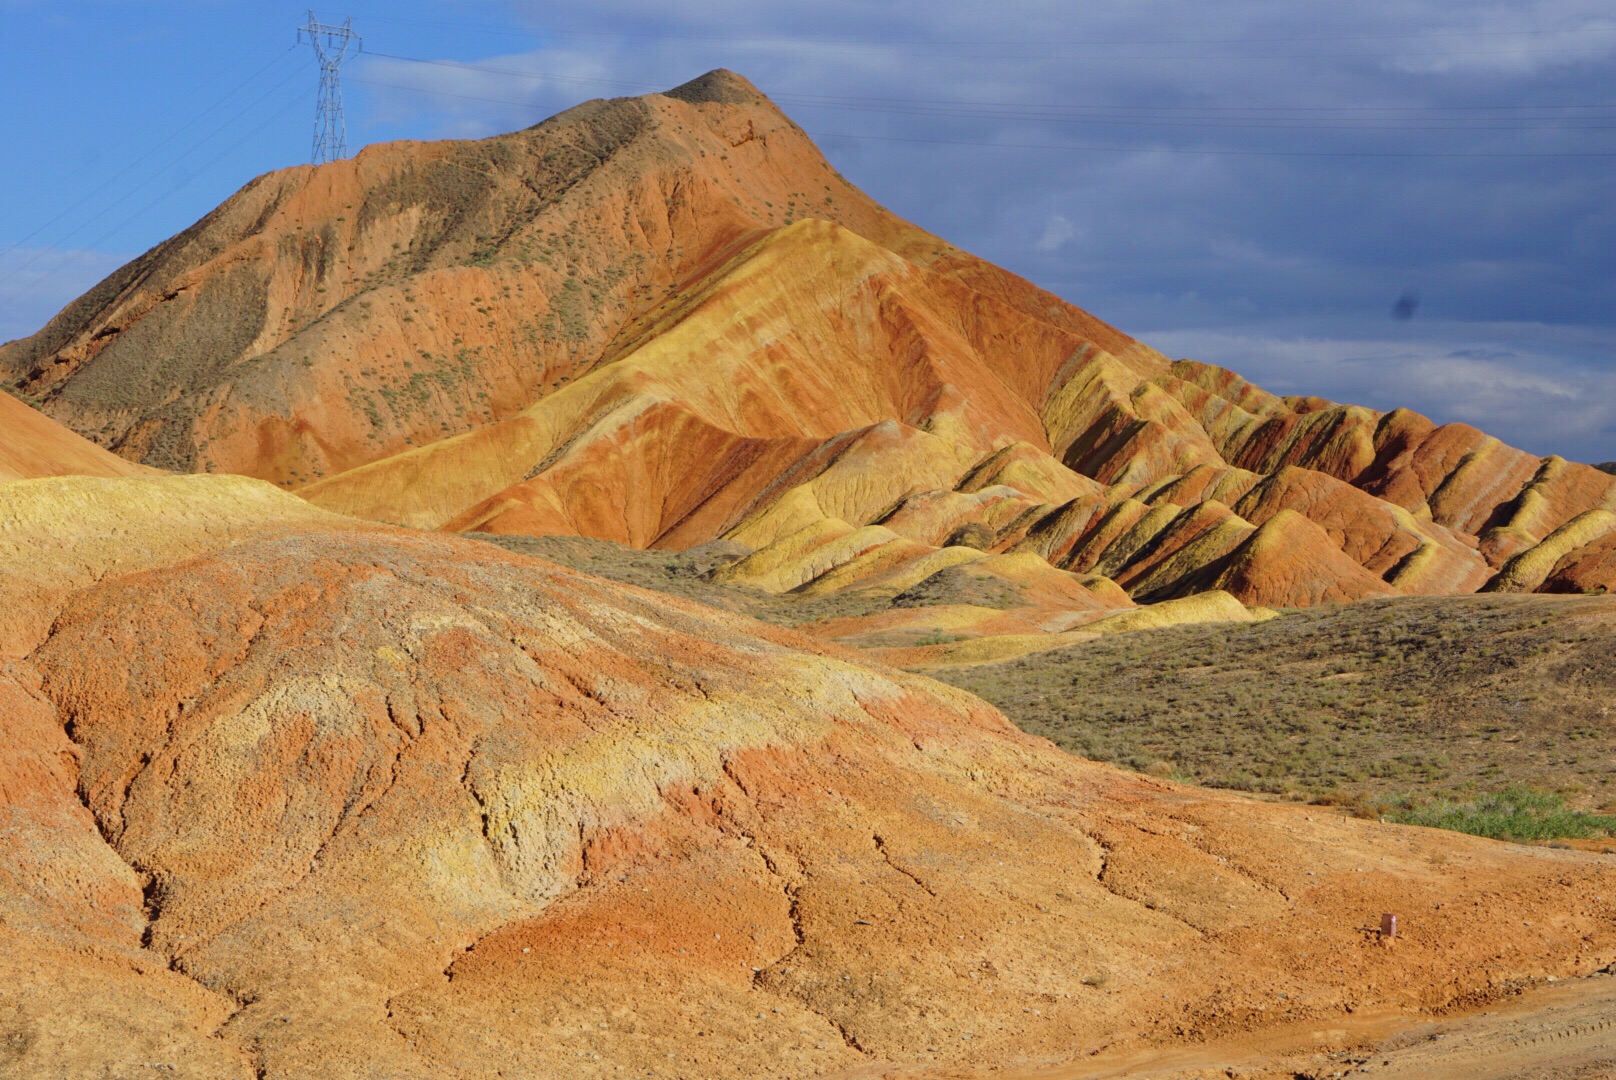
{"x": 1207, "y": 607}
{"x": 1528, "y": 570}
{"x": 803, "y": 556}
{"x": 60, "y": 533}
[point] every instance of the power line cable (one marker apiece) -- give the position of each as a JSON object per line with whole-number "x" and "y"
{"x": 797, "y": 42}
{"x": 14, "y": 271}
{"x": 147, "y": 156}
{"x": 1218, "y": 153}
{"x": 804, "y": 98}
{"x": 1336, "y": 124}
{"x": 226, "y": 152}
{"x": 1064, "y": 50}
{"x": 1348, "y": 125}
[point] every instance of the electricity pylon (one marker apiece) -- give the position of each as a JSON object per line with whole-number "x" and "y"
{"x": 330, "y": 46}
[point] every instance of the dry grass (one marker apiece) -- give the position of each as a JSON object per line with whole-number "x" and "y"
{"x": 1396, "y": 699}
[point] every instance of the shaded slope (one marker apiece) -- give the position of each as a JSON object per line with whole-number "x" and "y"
{"x": 411, "y": 804}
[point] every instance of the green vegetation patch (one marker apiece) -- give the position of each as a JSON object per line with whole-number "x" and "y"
{"x": 1516, "y": 813}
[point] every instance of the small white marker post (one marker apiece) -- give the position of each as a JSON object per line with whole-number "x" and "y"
{"x": 1388, "y": 927}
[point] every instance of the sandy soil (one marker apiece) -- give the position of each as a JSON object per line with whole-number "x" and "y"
{"x": 1563, "y": 1031}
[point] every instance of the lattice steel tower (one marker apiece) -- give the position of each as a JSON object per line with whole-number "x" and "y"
{"x": 330, "y": 47}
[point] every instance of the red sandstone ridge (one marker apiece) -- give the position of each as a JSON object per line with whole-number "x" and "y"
{"x": 667, "y": 320}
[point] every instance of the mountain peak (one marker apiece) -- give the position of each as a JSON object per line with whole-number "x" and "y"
{"x": 718, "y": 86}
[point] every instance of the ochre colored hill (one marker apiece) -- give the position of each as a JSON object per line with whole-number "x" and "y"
{"x": 33, "y": 445}
{"x": 60, "y": 534}
{"x": 666, "y": 320}
{"x": 356, "y": 804}
{"x": 325, "y": 317}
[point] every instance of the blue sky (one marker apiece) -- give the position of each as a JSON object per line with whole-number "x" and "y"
{"x": 1253, "y": 183}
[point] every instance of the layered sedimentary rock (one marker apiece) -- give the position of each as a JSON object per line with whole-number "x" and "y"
{"x": 667, "y": 320}
{"x": 350, "y": 803}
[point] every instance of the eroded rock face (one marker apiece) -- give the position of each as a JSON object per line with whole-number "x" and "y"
{"x": 386, "y": 805}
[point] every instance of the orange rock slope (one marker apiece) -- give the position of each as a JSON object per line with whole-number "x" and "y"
{"x": 33, "y": 445}
{"x": 666, "y": 319}
{"x": 301, "y": 799}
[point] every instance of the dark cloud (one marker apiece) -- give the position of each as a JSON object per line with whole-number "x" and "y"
{"x": 1254, "y": 183}
{"x": 1276, "y": 164}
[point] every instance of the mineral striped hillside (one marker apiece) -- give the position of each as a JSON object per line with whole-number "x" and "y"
{"x": 314, "y": 763}
{"x": 667, "y": 320}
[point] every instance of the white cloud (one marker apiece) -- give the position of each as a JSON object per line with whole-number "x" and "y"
{"x": 1525, "y": 384}
{"x": 1057, "y": 231}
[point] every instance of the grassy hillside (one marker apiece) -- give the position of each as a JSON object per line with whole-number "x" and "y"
{"x": 1389, "y": 698}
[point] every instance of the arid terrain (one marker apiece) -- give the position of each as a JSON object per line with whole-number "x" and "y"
{"x": 489, "y": 609}
{"x": 1388, "y": 696}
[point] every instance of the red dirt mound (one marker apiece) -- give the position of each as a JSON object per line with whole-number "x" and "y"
{"x": 365, "y": 805}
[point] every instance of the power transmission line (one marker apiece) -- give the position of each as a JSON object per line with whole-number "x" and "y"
{"x": 944, "y": 103}
{"x": 1219, "y": 153}
{"x": 330, "y": 48}
{"x": 109, "y": 207}
{"x": 276, "y": 115}
{"x": 798, "y": 42}
{"x": 988, "y": 50}
{"x": 149, "y": 154}
{"x": 1344, "y": 125}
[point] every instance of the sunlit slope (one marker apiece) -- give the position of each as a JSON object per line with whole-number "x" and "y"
{"x": 357, "y": 804}
{"x": 33, "y": 445}
{"x": 810, "y": 333}
{"x": 328, "y": 316}
{"x": 61, "y": 534}
{"x": 817, "y": 384}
